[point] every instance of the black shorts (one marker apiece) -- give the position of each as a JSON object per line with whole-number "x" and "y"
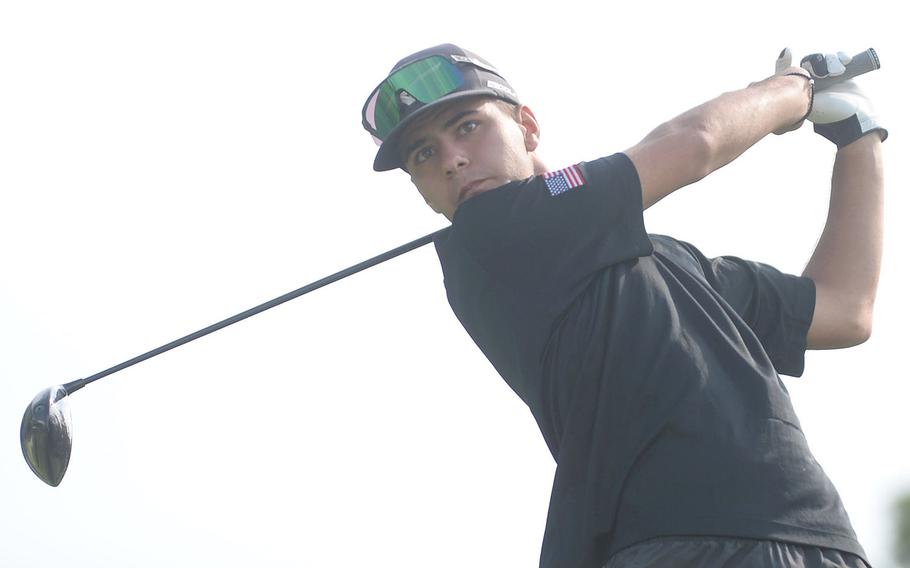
{"x": 704, "y": 552}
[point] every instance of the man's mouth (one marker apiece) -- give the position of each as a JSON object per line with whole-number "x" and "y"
{"x": 470, "y": 189}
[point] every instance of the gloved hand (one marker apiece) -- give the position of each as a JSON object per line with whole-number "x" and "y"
{"x": 823, "y": 65}
{"x": 842, "y": 113}
{"x": 783, "y": 66}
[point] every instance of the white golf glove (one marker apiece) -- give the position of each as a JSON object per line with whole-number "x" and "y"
{"x": 842, "y": 113}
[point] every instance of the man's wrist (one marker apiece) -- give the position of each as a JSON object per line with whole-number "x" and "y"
{"x": 810, "y": 87}
{"x": 795, "y": 91}
{"x": 864, "y": 143}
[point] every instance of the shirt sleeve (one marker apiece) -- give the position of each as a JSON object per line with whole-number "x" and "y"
{"x": 544, "y": 238}
{"x": 778, "y": 307}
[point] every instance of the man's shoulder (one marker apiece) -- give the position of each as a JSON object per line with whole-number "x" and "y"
{"x": 612, "y": 164}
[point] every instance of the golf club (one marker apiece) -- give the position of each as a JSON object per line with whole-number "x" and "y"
{"x": 46, "y": 434}
{"x": 861, "y": 63}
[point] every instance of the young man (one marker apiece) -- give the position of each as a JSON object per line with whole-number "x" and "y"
{"x": 652, "y": 371}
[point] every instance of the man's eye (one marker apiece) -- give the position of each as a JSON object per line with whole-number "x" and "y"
{"x": 423, "y": 155}
{"x": 468, "y": 126}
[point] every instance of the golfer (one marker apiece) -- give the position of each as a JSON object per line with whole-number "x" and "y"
{"x": 652, "y": 371}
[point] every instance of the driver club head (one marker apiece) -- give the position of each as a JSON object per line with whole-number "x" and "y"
{"x": 46, "y": 435}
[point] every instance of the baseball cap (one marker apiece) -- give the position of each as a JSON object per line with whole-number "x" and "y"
{"x": 422, "y": 81}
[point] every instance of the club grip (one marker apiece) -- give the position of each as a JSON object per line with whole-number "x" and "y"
{"x": 861, "y": 63}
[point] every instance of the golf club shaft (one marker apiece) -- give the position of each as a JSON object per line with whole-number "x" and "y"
{"x": 73, "y": 386}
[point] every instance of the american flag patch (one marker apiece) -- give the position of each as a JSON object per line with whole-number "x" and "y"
{"x": 563, "y": 180}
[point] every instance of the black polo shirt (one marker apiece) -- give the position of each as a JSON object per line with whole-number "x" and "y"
{"x": 652, "y": 371}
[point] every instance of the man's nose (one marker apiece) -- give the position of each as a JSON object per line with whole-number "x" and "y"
{"x": 454, "y": 158}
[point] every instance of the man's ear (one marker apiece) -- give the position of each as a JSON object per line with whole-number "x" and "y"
{"x": 530, "y": 127}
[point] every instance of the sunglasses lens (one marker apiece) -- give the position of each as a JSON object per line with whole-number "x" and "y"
{"x": 426, "y": 80}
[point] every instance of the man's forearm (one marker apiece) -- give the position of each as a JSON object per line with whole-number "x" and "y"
{"x": 694, "y": 144}
{"x": 735, "y": 121}
{"x": 847, "y": 260}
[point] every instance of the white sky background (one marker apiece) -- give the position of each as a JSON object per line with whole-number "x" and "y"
{"x": 165, "y": 165}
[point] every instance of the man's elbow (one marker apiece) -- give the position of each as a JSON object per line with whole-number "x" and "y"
{"x": 856, "y": 329}
{"x": 673, "y": 156}
{"x": 839, "y": 324}
{"x": 860, "y": 319}
{"x": 862, "y": 326}
{"x": 694, "y": 139}
{"x": 712, "y": 150}
{"x": 706, "y": 151}
{"x": 693, "y": 151}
